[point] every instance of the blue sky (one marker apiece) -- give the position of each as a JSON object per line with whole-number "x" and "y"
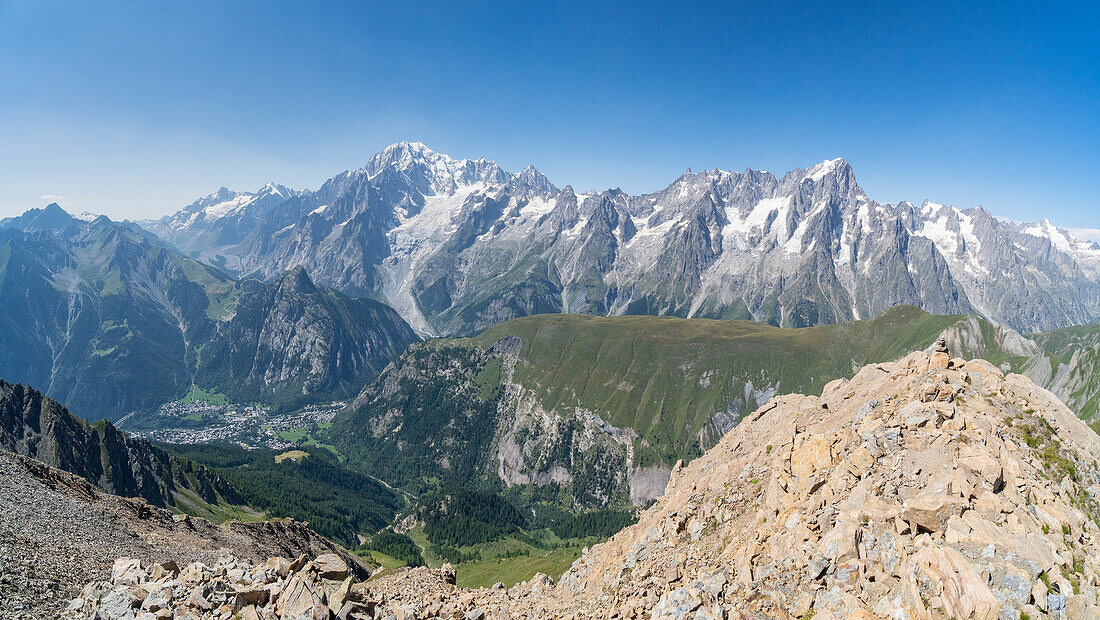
{"x": 135, "y": 111}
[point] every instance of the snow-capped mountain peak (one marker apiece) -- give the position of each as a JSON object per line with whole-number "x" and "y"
{"x": 818, "y": 172}
{"x": 1063, "y": 239}
{"x": 87, "y": 216}
{"x": 274, "y": 189}
{"x": 430, "y": 172}
{"x": 456, "y": 245}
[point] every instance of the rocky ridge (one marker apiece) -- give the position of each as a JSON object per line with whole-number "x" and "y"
{"x": 928, "y": 488}
{"x": 38, "y": 427}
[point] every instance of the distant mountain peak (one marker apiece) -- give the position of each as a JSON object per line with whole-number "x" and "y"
{"x": 51, "y": 218}
{"x": 271, "y": 187}
{"x": 431, "y": 172}
{"x": 827, "y": 167}
{"x": 530, "y": 177}
{"x": 404, "y": 153}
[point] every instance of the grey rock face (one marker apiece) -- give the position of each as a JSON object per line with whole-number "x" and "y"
{"x": 453, "y": 412}
{"x": 458, "y": 245}
{"x": 38, "y": 427}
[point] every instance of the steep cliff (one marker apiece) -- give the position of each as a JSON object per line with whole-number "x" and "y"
{"x": 38, "y": 427}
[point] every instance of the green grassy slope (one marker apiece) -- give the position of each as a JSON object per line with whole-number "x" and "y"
{"x": 666, "y": 377}
{"x": 337, "y": 503}
{"x": 437, "y": 416}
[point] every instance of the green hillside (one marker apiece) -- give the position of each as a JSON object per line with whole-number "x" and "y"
{"x": 308, "y": 485}
{"x": 541, "y": 392}
{"x": 666, "y": 377}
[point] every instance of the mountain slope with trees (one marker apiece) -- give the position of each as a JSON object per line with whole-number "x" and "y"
{"x": 589, "y": 412}
{"x": 104, "y": 316}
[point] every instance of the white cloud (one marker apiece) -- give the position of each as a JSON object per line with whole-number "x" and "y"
{"x": 60, "y": 200}
{"x": 1088, "y": 234}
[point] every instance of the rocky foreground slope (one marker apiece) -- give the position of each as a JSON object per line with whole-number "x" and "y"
{"x": 926, "y": 488}
{"x": 923, "y": 489}
{"x": 58, "y": 531}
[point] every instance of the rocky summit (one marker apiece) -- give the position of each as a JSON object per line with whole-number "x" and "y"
{"x": 925, "y": 488}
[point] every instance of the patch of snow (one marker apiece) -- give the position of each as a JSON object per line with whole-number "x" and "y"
{"x": 1064, "y": 241}
{"x": 757, "y": 216}
{"x": 537, "y": 207}
{"x": 793, "y": 244}
{"x": 1045, "y": 230}
{"x": 819, "y": 171}
{"x": 928, "y": 208}
{"x": 846, "y": 248}
{"x": 319, "y": 210}
{"x": 948, "y": 241}
{"x": 944, "y": 239}
{"x": 222, "y": 209}
{"x": 966, "y": 228}
{"x": 648, "y": 236}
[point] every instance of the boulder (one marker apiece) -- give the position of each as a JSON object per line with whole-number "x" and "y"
{"x": 930, "y": 512}
{"x": 330, "y": 566}
{"x": 946, "y": 574}
{"x": 127, "y": 571}
{"x": 302, "y": 599}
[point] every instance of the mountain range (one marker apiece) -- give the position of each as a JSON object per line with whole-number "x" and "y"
{"x": 110, "y": 320}
{"x": 458, "y": 245}
{"x": 229, "y": 293}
